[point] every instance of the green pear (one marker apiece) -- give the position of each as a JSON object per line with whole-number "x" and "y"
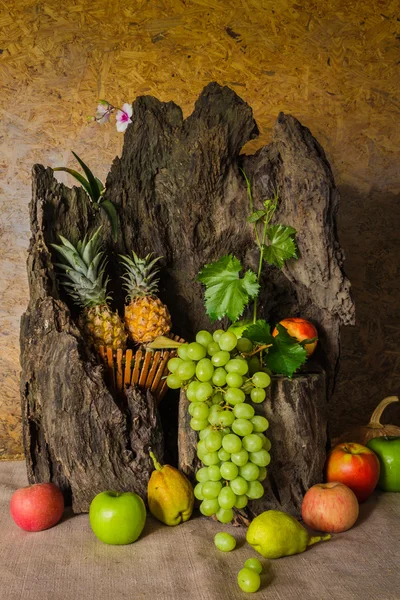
{"x": 274, "y": 534}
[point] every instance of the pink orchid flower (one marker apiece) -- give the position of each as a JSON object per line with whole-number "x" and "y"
{"x": 123, "y": 117}
{"x": 103, "y": 112}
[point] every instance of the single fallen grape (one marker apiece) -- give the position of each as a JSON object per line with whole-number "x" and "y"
{"x": 254, "y": 563}
{"x": 248, "y": 580}
{"x": 224, "y": 542}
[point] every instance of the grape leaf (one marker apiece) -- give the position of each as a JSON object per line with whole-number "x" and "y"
{"x": 256, "y": 216}
{"x": 286, "y": 355}
{"x": 282, "y": 245}
{"x": 226, "y": 293}
{"x": 259, "y": 332}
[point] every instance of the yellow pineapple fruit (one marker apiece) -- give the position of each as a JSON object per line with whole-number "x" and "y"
{"x": 83, "y": 278}
{"x": 146, "y": 317}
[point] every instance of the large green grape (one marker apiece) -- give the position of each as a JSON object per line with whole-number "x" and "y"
{"x": 233, "y": 396}
{"x": 219, "y": 377}
{"x": 209, "y": 507}
{"x": 211, "y": 489}
{"x": 200, "y": 410}
{"x": 229, "y": 471}
{"x": 213, "y": 441}
{"x": 252, "y": 443}
{"x": 227, "y": 341}
{"x": 242, "y": 427}
{"x": 226, "y": 498}
{"x": 249, "y": 580}
{"x": 260, "y": 423}
{"x": 224, "y": 515}
{"x": 243, "y": 411}
{"x": 261, "y": 458}
{"x": 174, "y": 382}
{"x": 219, "y": 359}
{"x": 196, "y": 351}
{"x": 239, "y": 486}
{"x": 261, "y": 379}
{"x": 233, "y": 380}
{"x": 183, "y": 351}
{"x": 249, "y": 471}
{"x": 204, "y": 369}
{"x": 186, "y": 369}
{"x": 204, "y": 391}
{"x": 237, "y": 365}
{"x": 232, "y": 443}
{"x": 240, "y": 458}
{"x": 204, "y": 338}
{"x": 255, "y": 490}
{"x": 244, "y": 345}
{"x": 202, "y": 474}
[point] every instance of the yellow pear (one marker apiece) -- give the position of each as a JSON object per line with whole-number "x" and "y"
{"x": 169, "y": 494}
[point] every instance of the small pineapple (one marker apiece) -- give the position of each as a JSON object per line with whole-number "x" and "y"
{"x": 83, "y": 275}
{"x": 146, "y": 317}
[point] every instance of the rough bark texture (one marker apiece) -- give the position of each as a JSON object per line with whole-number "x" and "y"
{"x": 76, "y": 433}
{"x": 297, "y": 413}
{"x": 179, "y": 192}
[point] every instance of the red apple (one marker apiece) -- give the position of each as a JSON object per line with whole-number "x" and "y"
{"x": 354, "y": 465}
{"x": 301, "y": 330}
{"x": 37, "y": 506}
{"x": 330, "y": 507}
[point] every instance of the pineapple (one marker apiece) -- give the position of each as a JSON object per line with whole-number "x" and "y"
{"x": 83, "y": 275}
{"x": 146, "y": 317}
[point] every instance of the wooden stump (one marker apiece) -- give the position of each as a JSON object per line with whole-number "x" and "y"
{"x": 179, "y": 193}
{"x": 297, "y": 412}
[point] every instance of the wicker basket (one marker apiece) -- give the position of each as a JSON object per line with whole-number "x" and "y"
{"x": 145, "y": 368}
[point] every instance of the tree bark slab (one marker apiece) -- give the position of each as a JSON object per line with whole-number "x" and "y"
{"x": 179, "y": 193}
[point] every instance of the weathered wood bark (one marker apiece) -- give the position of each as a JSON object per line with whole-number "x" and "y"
{"x": 179, "y": 192}
{"x": 297, "y": 413}
{"x": 76, "y": 433}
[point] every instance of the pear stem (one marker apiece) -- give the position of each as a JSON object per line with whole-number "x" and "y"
{"x": 314, "y": 539}
{"x": 157, "y": 465}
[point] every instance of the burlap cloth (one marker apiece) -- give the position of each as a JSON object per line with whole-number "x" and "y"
{"x": 172, "y": 563}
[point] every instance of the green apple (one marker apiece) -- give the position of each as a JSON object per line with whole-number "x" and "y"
{"x": 117, "y": 517}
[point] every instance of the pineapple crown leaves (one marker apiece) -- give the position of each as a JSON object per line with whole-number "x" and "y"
{"x": 95, "y": 190}
{"x": 140, "y": 275}
{"x": 83, "y": 270}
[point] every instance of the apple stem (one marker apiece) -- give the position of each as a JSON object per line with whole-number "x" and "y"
{"x": 157, "y": 465}
{"x": 314, "y": 539}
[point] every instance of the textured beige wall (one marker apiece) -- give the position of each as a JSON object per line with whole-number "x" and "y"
{"x": 334, "y": 65}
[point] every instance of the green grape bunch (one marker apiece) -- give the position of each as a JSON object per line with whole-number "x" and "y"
{"x": 222, "y": 381}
